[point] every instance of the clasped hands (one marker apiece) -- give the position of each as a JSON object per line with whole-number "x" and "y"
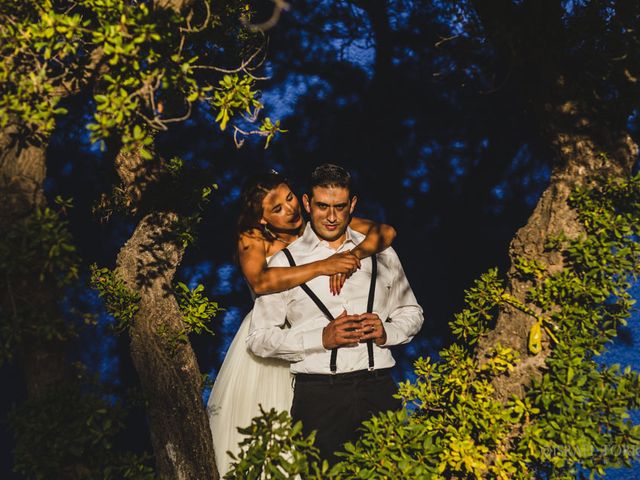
{"x": 349, "y": 330}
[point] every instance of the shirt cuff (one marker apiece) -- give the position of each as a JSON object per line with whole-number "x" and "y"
{"x": 394, "y": 336}
{"x": 312, "y": 341}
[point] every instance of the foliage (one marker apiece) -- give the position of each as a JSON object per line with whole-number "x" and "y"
{"x": 234, "y": 93}
{"x": 270, "y": 129}
{"x": 146, "y": 68}
{"x": 276, "y": 449}
{"x": 150, "y": 66}
{"x": 120, "y": 301}
{"x": 482, "y": 302}
{"x": 196, "y": 309}
{"x": 451, "y": 427}
{"x": 42, "y": 245}
{"x": 193, "y": 187}
{"x": 60, "y": 428}
{"x": 35, "y": 251}
{"x": 69, "y": 432}
{"x": 573, "y": 419}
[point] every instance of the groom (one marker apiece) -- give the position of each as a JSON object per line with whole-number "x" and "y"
{"x": 338, "y": 344}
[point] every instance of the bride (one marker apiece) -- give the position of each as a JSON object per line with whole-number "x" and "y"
{"x": 269, "y": 220}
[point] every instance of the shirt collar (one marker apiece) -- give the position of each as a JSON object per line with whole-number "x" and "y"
{"x": 309, "y": 240}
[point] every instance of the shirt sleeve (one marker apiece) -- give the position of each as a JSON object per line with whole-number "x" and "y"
{"x": 268, "y": 335}
{"x": 405, "y": 315}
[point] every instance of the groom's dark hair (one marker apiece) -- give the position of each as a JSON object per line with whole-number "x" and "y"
{"x": 330, "y": 175}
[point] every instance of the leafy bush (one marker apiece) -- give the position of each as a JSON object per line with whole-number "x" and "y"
{"x": 274, "y": 448}
{"x": 69, "y": 433}
{"x": 36, "y": 251}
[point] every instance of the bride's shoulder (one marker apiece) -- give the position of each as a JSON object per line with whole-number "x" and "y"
{"x": 252, "y": 240}
{"x": 251, "y": 235}
{"x": 252, "y": 244}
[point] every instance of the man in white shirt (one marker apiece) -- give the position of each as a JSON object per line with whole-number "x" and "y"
{"x": 338, "y": 344}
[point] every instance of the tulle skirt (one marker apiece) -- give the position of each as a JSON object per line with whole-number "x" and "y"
{"x": 244, "y": 382}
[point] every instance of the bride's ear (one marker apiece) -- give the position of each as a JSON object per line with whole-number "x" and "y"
{"x": 306, "y": 203}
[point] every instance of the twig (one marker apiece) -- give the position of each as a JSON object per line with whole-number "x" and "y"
{"x": 189, "y": 29}
{"x": 445, "y": 39}
{"x": 272, "y": 21}
{"x": 154, "y": 122}
{"x": 254, "y": 115}
{"x": 251, "y": 75}
{"x": 240, "y": 142}
{"x": 241, "y": 68}
{"x": 181, "y": 118}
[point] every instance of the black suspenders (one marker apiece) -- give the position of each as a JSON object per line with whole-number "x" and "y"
{"x": 372, "y": 291}
{"x": 372, "y": 294}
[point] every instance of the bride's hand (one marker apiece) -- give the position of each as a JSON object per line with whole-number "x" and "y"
{"x": 343, "y": 262}
{"x": 336, "y": 282}
{"x": 339, "y": 267}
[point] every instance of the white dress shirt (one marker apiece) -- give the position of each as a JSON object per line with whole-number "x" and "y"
{"x": 302, "y": 343}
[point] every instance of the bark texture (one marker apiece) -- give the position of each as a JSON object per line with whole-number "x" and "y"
{"x": 579, "y": 159}
{"x": 22, "y": 174}
{"x": 168, "y": 371}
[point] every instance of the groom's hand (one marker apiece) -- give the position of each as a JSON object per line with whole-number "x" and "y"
{"x": 372, "y": 328}
{"x": 342, "y": 332}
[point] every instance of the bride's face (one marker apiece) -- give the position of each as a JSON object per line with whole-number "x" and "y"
{"x": 281, "y": 210}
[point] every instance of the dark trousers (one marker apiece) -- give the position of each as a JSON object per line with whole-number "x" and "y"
{"x": 336, "y": 405}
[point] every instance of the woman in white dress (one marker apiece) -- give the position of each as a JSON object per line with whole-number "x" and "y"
{"x": 270, "y": 219}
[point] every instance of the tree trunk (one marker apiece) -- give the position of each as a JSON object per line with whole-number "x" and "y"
{"x": 22, "y": 174}
{"x": 579, "y": 159}
{"x": 168, "y": 369}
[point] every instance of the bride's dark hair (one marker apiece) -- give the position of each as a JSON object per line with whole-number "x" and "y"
{"x": 253, "y": 193}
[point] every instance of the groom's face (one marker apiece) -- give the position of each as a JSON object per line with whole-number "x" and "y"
{"x": 330, "y": 210}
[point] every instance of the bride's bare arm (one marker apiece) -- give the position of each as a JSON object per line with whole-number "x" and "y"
{"x": 378, "y": 237}
{"x": 263, "y": 279}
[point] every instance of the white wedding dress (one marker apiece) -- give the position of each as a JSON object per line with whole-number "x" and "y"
{"x": 244, "y": 382}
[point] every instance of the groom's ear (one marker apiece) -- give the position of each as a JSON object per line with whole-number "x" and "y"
{"x": 306, "y": 202}
{"x": 354, "y": 200}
